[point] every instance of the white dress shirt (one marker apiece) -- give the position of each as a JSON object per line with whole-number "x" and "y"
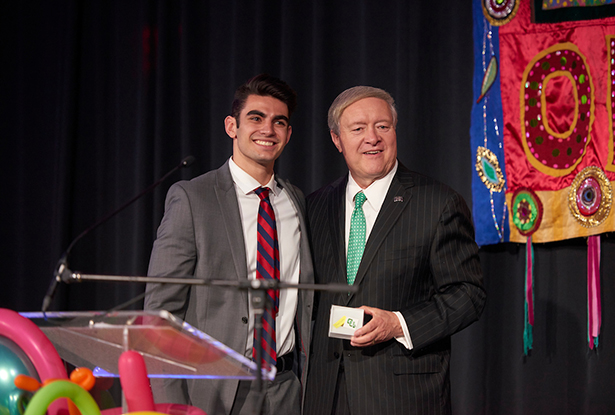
{"x": 289, "y": 234}
{"x": 375, "y": 193}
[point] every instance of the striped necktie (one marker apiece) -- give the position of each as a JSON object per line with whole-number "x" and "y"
{"x": 267, "y": 267}
{"x": 356, "y": 241}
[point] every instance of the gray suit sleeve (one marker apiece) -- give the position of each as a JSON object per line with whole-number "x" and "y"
{"x": 173, "y": 255}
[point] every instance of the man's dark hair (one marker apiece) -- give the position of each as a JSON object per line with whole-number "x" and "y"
{"x": 264, "y": 85}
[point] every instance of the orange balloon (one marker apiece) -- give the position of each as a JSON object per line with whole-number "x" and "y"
{"x": 83, "y": 377}
{"x": 72, "y": 408}
{"x": 26, "y": 383}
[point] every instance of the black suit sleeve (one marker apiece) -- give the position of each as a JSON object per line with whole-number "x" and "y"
{"x": 458, "y": 296}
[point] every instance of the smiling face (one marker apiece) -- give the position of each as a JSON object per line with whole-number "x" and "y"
{"x": 367, "y": 139}
{"x": 259, "y": 135}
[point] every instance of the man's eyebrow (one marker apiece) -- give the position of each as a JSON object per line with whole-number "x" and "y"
{"x": 356, "y": 123}
{"x": 256, "y": 112}
{"x": 281, "y": 117}
{"x": 262, "y": 114}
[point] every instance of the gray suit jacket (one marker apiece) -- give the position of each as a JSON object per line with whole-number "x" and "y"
{"x": 201, "y": 235}
{"x": 420, "y": 259}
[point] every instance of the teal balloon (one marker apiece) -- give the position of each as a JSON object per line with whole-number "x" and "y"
{"x": 13, "y": 362}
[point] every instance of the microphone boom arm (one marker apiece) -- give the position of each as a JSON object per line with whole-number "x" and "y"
{"x": 72, "y": 277}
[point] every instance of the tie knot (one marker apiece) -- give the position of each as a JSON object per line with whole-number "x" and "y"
{"x": 359, "y": 199}
{"x": 262, "y": 192}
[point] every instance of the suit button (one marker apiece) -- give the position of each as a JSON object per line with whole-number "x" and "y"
{"x": 336, "y": 355}
{"x": 244, "y": 320}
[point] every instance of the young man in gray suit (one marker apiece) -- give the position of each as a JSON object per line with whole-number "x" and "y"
{"x": 209, "y": 231}
{"x": 409, "y": 246}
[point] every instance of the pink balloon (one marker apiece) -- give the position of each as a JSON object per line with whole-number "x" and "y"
{"x": 38, "y": 348}
{"x": 137, "y": 390}
{"x": 135, "y": 383}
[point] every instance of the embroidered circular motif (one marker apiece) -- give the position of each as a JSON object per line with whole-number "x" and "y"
{"x": 500, "y": 12}
{"x": 552, "y": 152}
{"x": 590, "y": 197}
{"x": 526, "y": 211}
{"x": 488, "y": 169}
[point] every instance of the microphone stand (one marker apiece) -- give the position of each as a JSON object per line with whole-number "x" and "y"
{"x": 259, "y": 304}
{"x": 62, "y": 272}
{"x": 258, "y": 289}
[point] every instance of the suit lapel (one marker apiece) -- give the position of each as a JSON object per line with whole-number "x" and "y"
{"x": 396, "y": 201}
{"x": 337, "y": 210}
{"x": 229, "y": 206}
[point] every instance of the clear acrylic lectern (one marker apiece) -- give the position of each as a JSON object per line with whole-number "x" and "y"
{"x": 170, "y": 347}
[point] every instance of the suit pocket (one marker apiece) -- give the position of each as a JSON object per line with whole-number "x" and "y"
{"x": 407, "y": 365}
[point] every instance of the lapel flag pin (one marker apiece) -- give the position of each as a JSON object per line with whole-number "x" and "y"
{"x": 398, "y": 199}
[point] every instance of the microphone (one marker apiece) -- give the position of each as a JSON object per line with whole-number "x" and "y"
{"x": 62, "y": 272}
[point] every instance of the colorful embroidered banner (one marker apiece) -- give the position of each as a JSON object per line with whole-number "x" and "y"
{"x": 542, "y": 133}
{"x": 543, "y": 121}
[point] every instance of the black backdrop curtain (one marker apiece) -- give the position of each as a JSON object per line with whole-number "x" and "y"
{"x": 101, "y": 98}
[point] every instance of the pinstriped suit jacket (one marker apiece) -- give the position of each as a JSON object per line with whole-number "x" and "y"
{"x": 201, "y": 235}
{"x": 420, "y": 259}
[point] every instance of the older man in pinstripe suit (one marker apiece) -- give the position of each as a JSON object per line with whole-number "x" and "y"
{"x": 418, "y": 272}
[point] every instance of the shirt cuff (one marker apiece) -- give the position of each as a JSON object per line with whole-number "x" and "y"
{"x": 405, "y": 339}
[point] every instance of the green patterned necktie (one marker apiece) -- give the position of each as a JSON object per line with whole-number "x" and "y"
{"x": 356, "y": 241}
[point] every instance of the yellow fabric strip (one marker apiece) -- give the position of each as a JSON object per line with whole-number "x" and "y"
{"x": 557, "y": 223}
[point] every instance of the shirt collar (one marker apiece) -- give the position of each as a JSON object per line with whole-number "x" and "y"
{"x": 375, "y": 192}
{"x": 247, "y": 183}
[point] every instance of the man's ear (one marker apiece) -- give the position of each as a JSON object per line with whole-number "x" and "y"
{"x": 230, "y": 126}
{"x": 336, "y": 140}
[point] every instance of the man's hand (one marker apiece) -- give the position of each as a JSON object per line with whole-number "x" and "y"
{"x": 383, "y": 326}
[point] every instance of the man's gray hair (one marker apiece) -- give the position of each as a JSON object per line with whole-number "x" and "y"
{"x": 352, "y": 95}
